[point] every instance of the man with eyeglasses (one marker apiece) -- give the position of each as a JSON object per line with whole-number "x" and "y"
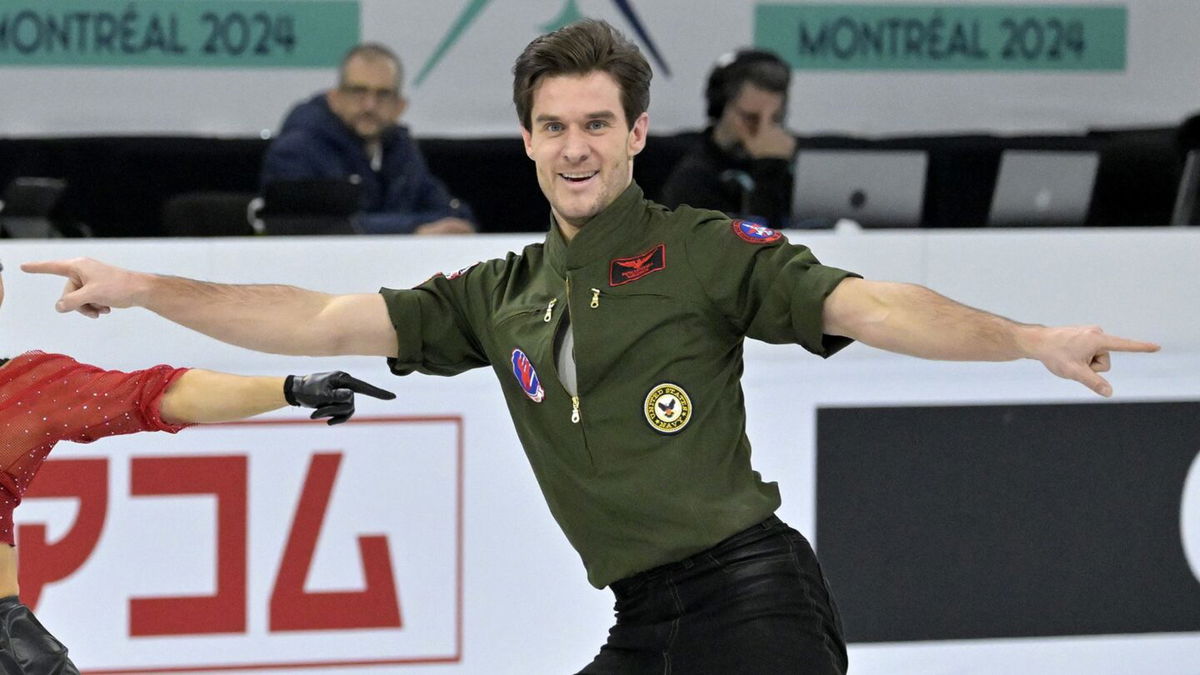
{"x": 352, "y": 132}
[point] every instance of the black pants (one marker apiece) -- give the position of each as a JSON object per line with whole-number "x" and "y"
{"x": 754, "y": 604}
{"x": 26, "y": 647}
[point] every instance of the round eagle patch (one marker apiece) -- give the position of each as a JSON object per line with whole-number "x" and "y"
{"x": 668, "y": 408}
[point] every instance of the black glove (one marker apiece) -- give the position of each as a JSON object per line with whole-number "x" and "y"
{"x": 332, "y": 394}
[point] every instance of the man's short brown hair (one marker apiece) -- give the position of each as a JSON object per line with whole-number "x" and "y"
{"x": 372, "y": 51}
{"x": 578, "y": 49}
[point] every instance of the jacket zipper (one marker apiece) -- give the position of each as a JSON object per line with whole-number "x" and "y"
{"x": 576, "y": 414}
{"x": 550, "y": 310}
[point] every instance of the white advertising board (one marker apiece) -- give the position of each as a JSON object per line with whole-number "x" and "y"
{"x": 433, "y": 488}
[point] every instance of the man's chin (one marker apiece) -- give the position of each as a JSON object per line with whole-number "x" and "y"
{"x": 370, "y": 131}
{"x": 576, "y": 217}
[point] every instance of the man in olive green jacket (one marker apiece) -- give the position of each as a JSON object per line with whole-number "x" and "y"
{"x": 618, "y": 344}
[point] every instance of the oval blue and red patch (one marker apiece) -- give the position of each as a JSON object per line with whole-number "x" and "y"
{"x": 754, "y": 233}
{"x": 527, "y": 377}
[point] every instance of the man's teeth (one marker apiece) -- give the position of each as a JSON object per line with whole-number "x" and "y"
{"x": 578, "y": 176}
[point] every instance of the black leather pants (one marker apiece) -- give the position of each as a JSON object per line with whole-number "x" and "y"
{"x": 754, "y": 604}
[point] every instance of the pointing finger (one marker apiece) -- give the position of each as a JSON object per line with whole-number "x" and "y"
{"x": 354, "y": 384}
{"x": 1120, "y": 344}
{"x": 59, "y": 267}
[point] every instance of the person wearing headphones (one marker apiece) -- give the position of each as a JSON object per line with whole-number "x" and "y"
{"x": 743, "y": 165}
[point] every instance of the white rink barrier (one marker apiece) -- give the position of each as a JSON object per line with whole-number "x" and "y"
{"x": 414, "y": 539}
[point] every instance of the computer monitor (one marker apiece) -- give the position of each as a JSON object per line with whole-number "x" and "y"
{"x": 876, "y": 188}
{"x": 1043, "y": 188}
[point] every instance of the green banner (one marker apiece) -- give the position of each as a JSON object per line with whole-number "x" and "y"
{"x": 944, "y": 37}
{"x": 194, "y": 34}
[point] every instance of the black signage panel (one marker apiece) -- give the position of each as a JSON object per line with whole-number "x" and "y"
{"x": 997, "y": 521}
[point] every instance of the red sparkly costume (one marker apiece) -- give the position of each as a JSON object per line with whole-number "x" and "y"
{"x": 47, "y": 398}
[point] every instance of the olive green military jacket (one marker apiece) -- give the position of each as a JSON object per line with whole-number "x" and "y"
{"x": 650, "y": 462}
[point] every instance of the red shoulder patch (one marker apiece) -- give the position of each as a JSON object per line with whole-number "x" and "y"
{"x": 459, "y": 273}
{"x": 754, "y": 233}
{"x": 626, "y": 270}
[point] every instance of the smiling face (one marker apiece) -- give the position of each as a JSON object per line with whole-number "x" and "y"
{"x": 581, "y": 144}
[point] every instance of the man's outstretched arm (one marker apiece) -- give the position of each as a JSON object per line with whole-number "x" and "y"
{"x": 913, "y": 320}
{"x": 269, "y": 318}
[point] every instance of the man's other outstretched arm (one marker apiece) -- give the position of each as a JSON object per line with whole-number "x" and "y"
{"x": 269, "y": 318}
{"x": 913, "y": 320}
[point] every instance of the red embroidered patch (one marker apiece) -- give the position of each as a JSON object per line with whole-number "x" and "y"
{"x": 755, "y": 233}
{"x": 460, "y": 272}
{"x": 625, "y": 270}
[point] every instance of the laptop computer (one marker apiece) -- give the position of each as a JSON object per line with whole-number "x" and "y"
{"x": 1043, "y": 187}
{"x": 32, "y": 197}
{"x": 27, "y": 207}
{"x": 309, "y": 207}
{"x": 876, "y": 188}
{"x": 1186, "y": 210}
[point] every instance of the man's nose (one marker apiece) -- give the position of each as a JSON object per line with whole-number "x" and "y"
{"x": 575, "y": 145}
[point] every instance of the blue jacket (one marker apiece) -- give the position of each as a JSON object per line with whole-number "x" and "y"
{"x": 315, "y": 143}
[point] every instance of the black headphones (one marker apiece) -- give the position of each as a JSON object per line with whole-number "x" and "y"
{"x": 730, "y": 71}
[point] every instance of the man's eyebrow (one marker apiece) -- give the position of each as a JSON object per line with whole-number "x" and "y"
{"x": 599, "y": 115}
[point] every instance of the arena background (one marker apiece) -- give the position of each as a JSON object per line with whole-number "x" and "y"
{"x": 459, "y": 55}
{"x": 973, "y": 518}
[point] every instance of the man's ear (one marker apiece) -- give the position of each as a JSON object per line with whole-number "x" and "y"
{"x": 401, "y": 106}
{"x": 637, "y": 135}
{"x": 528, "y": 138}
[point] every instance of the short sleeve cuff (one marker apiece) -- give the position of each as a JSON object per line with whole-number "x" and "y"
{"x": 404, "y": 311}
{"x": 152, "y": 412}
{"x": 808, "y": 309}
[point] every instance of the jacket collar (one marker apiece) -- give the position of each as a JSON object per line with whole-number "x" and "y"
{"x": 604, "y": 236}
